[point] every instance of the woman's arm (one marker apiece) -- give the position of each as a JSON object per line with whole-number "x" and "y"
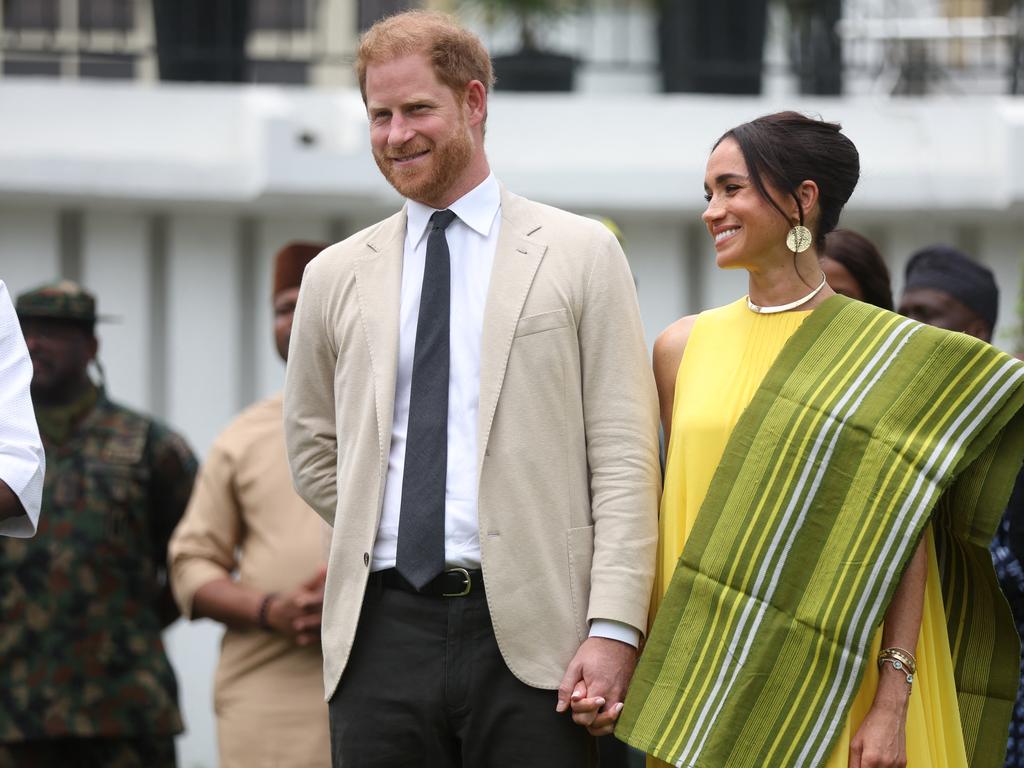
{"x": 881, "y": 740}
{"x": 668, "y": 354}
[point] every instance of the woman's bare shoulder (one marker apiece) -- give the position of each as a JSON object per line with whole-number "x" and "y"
{"x": 672, "y": 341}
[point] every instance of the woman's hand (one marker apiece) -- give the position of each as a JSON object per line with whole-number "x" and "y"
{"x": 881, "y": 740}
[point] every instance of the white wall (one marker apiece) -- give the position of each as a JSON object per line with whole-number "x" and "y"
{"x": 170, "y": 201}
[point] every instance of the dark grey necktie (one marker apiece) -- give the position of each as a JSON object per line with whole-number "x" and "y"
{"x": 421, "y": 522}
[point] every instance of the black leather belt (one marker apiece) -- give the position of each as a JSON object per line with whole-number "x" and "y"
{"x": 455, "y": 582}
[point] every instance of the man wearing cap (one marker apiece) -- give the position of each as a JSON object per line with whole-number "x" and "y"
{"x": 944, "y": 287}
{"x": 245, "y": 517}
{"x": 22, "y": 460}
{"x": 947, "y": 289}
{"x": 469, "y": 402}
{"x": 84, "y": 679}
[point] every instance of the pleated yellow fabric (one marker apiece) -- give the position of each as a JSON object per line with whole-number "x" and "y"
{"x": 727, "y": 356}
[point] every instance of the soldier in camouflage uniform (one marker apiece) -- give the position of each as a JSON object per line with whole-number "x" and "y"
{"x": 84, "y": 680}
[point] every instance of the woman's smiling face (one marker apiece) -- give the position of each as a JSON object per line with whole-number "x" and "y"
{"x": 746, "y": 228}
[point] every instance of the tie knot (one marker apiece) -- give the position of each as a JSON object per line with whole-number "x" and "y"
{"x": 441, "y": 219}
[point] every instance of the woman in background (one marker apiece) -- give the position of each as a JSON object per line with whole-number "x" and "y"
{"x": 855, "y": 268}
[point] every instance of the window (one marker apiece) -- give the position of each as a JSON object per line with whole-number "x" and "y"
{"x": 281, "y": 72}
{"x": 105, "y": 15}
{"x": 107, "y": 66}
{"x": 36, "y": 66}
{"x": 280, "y": 15}
{"x": 31, "y": 14}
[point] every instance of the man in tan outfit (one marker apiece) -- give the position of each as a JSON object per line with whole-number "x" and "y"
{"x": 245, "y": 517}
{"x": 469, "y": 403}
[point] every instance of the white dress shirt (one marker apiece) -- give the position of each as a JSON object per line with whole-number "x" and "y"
{"x": 22, "y": 460}
{"x": 472, "y": 242}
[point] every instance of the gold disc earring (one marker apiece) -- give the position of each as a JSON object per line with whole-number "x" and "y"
{"x": 799, "y": 239}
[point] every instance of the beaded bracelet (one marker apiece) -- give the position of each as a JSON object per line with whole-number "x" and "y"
{"x": 261, "y": 617}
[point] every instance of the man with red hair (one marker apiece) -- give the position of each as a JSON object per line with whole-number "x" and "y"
{"x": 470, "y": 405}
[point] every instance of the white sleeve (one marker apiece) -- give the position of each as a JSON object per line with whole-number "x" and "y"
{"x": 21, "y": 452}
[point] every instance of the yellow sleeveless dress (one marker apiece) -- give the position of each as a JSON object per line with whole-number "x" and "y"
{"x": 728, "y": 354}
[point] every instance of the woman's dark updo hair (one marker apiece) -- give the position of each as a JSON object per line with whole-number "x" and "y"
{"x": 786, "y": 149}
{"x": 864, "y": 263}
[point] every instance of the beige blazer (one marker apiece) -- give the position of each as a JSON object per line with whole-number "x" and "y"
{"x": 567, "y": 443}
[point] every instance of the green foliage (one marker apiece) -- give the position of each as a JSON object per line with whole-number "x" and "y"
{"x": 528, "y": 14}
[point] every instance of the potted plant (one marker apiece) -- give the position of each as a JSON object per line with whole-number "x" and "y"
{"x": 531, "y": 67}
{"x": 815, "y": 49}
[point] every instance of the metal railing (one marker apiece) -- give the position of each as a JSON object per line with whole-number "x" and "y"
{"x": 312, "y": 41}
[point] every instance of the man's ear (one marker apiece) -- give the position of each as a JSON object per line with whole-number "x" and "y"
{"x": 475, "y": 102}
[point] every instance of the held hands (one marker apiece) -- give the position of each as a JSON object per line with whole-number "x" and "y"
{"x": 595, "y": 683}
{"x": 881, "y": 740}
{"x": 297, "y": 613}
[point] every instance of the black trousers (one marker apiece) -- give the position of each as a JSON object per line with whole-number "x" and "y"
{"x": 426, "y": 687}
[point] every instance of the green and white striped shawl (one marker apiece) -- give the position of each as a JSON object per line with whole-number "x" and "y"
{"x": 867, "y": 427}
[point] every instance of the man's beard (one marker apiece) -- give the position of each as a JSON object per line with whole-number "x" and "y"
{"x": 448, "y": 161}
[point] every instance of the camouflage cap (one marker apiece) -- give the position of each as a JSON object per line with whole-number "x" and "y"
{"x": 61, "y": 300}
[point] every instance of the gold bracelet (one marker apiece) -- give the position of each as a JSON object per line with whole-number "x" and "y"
{"x": 898, "y": 666}
{"x": 905, "y": 657}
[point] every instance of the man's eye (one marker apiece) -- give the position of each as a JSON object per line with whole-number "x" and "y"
{"x": 707, "y": 197}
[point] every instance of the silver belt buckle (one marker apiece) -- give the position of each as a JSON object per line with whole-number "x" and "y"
{"x": 466, "y": 587}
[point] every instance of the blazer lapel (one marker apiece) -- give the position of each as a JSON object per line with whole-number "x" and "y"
{"x": 516, "y": 260}
{"x": 379, "y": 289}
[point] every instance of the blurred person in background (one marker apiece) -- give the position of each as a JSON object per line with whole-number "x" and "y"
{"x": 84, "y": 679}
{"x": 22, "y": 460}
{"x": 854, "y": 267}
{"x": 946, "y": 288}
{"x": 245, "y": 518}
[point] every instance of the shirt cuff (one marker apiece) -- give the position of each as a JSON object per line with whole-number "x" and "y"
{"x": 615, "y": 630}
{"x": 25, "y": 478}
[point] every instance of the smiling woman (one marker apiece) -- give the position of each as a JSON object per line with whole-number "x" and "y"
{"x": 810, "y": 439}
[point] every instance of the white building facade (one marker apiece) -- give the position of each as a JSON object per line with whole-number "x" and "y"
{"x": 169, "y": 201}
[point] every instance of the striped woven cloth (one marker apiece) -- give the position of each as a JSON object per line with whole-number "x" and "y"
{"x": 867, "y": 427}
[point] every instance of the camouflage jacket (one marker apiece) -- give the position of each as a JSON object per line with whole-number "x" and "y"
{"x": 82, "y": 604}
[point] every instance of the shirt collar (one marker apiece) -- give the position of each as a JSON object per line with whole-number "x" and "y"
{"x": 475, "y": 209}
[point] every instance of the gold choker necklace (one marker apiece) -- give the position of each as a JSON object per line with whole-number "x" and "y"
{"x": 758, "y": 309}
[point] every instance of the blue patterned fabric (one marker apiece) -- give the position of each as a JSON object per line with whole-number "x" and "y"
{"x": 1011, "y": 579}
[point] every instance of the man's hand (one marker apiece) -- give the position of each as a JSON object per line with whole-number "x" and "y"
{"x": 595, "y": 683}
{"x": 297, "y": 614}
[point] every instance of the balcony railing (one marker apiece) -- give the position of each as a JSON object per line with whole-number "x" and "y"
{"x": 621, "y": 42}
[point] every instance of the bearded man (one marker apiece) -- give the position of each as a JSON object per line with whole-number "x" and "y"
{"x": 469, "y": 404}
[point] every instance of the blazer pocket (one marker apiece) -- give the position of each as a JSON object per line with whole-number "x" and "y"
{"x": 581, "y": 558}
{"x": 544, "y": 321}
